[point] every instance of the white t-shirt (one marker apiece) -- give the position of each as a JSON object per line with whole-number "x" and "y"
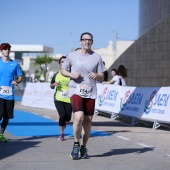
{"x": 116, "y": 79}
{"x": 83, "y": 64}
{"x": 123, "y": 80}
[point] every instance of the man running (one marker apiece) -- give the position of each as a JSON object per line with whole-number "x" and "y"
{"x": 10, "y": 76}
{"x": 86, "y": 69}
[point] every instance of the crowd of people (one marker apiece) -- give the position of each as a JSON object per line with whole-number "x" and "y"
{"x": 75, "y": 90}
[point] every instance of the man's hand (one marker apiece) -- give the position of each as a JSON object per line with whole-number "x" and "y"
{"x": 92, "y": 75}
{"x": 14, "y": 83}
{"x": 75, "y": 75}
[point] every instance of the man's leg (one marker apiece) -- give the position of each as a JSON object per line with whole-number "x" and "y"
{"x": 77, "y": 125}
{"x": 3, "y": 127}
{"x": 77, "y": 128}
{"x": 85, "y": 136}
{"x": 86, "y": 129}
{"x": 7, "y": 107}
{"x": 89, "y": 111}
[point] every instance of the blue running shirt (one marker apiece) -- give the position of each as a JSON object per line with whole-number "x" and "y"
{"x": 8, "y": 72}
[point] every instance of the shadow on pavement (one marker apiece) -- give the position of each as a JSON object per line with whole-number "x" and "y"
{"x": 13, "y": 147}
{"x": 124, "y": 151}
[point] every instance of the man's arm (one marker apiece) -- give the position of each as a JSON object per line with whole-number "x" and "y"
{"x": 100, "y": 77}
{"x": 66, "y": 73}
{"x": 17, "y": 81}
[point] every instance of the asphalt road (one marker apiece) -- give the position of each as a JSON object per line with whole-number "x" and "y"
{"x": 126, "y": 148}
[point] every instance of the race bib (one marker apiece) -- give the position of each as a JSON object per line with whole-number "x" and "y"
{"x": 84, "y": 90}
{"x": 6, "y": 90}
{"x": 64, "y": 94}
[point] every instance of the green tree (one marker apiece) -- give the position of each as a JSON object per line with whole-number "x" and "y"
{"x": 44, "y": 62}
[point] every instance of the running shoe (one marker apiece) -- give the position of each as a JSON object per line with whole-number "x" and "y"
{"x": 61, "y": 137}
{"x": 83, "y": 153}
{"x": 75, "y": 152}
{"x": 2, "y": 138}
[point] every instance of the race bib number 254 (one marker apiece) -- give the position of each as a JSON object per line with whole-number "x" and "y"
{"x": 84, "y": 90}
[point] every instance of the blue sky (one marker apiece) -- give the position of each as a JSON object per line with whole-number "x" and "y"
{"x": 59, "y": 23}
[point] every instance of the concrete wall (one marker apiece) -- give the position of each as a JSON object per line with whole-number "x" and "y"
{"x": 148, "y": 59}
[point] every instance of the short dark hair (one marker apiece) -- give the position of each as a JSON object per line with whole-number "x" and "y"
{"x": 61, "y": 59}
{"x": 114, "y": 70}
{"x": 86, "y": 33}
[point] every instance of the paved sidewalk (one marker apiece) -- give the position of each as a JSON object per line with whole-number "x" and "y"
{"x": 127, "y": 148}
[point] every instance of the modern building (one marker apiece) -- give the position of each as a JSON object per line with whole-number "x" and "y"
{"x": 148, "y": 58}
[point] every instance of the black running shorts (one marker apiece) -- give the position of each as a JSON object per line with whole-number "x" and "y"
{"x": 6, "y": 109}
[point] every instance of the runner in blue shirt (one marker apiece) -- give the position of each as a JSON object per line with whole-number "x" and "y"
{"x": 10, "y": 76}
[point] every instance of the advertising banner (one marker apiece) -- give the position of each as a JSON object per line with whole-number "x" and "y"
{"x": 140, "y": 102}
{"x": 39, "y": 95}
{"x": 152, "y": 103}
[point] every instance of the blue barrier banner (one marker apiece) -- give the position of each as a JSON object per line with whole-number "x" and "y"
{"x": 141, "y": 102}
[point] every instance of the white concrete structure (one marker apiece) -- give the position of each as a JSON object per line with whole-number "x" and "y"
{"x": 28, "y": 49}
{"x": 109, "y": 54}
{"x": 31, "y": 49}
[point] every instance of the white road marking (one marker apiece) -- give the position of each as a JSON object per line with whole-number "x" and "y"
{"x": 142, "y": 144}
{"x": 36, "y": 113}
{"x": 48, "y": 117}
{"x": 124, "y": 138}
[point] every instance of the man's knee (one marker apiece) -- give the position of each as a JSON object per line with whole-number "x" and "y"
{"x": 78, "y": 116}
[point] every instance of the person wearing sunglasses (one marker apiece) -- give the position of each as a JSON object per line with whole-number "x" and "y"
{"x": 61, "y": 98}
{"x": 86, "y": 69}
{"x": 10, "y": 76}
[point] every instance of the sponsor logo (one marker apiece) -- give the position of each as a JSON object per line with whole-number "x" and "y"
{"x": 149, "y": 103}
{"x": 102, "y": 97}
{"x": 107, "y": 98}
{"x": 123, "y": 101}
{"x": 131, "y": 101}
{"x": 157, "y": 103}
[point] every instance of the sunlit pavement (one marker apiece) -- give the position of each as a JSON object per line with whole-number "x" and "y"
{"x": 33, "y": 144}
